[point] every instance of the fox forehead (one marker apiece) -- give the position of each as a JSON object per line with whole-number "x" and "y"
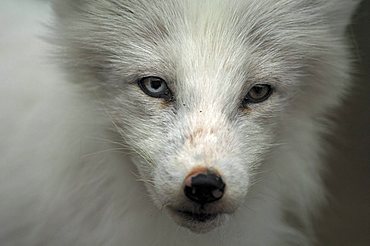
{"x": 197, "y": 44}
{"x": 201, "y": 45}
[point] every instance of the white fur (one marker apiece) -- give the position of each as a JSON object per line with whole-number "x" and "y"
{"x": 73, "y": 154}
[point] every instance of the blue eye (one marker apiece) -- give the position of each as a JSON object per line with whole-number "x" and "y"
{"x": 155, "y": 87}
{"x": 258, "y": 93}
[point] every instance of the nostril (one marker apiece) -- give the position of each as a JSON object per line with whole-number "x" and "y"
{"x": 204, "y": 187}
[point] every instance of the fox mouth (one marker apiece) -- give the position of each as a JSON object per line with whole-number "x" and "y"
{"x": 197, "y": 221}
{"x": 199, "y": 217}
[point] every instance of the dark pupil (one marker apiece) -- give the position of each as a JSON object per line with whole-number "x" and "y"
{"x": 156, "y": 84}
{"x": 258, "y": 91}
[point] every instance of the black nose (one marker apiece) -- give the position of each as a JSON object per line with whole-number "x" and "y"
{"x": 204, "y": 188}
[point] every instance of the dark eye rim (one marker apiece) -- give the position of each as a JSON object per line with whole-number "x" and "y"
{"x": 248, "y": 100}
{"x": 167, "y": 94}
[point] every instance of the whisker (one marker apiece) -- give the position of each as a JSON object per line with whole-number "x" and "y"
{"x": 102, "y": 152}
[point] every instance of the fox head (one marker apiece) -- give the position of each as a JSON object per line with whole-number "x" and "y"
{"x": 200, "y": 90}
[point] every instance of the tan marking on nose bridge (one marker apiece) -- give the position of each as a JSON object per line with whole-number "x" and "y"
{"x": 195, "y": 134}
{"x": 198, "y": 132}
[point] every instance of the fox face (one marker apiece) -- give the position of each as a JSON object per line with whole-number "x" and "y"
{"x": 199, "y": 90}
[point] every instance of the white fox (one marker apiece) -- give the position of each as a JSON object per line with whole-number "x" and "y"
{"x": 175, "y": 122}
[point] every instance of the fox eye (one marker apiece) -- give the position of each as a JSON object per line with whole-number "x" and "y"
{"x": 258, "y": 94}
{"x": 155, "y": 87}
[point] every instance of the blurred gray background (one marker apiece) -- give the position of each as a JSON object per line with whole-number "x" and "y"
{"x": 346, "y": 219}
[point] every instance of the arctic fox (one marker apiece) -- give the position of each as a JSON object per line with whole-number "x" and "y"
{"x": 174, "y": 122}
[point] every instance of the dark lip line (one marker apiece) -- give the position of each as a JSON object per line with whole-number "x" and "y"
{"x": 195, "y": 216}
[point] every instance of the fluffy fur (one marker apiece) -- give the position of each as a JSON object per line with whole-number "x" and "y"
{"x": 95, "y": 161}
